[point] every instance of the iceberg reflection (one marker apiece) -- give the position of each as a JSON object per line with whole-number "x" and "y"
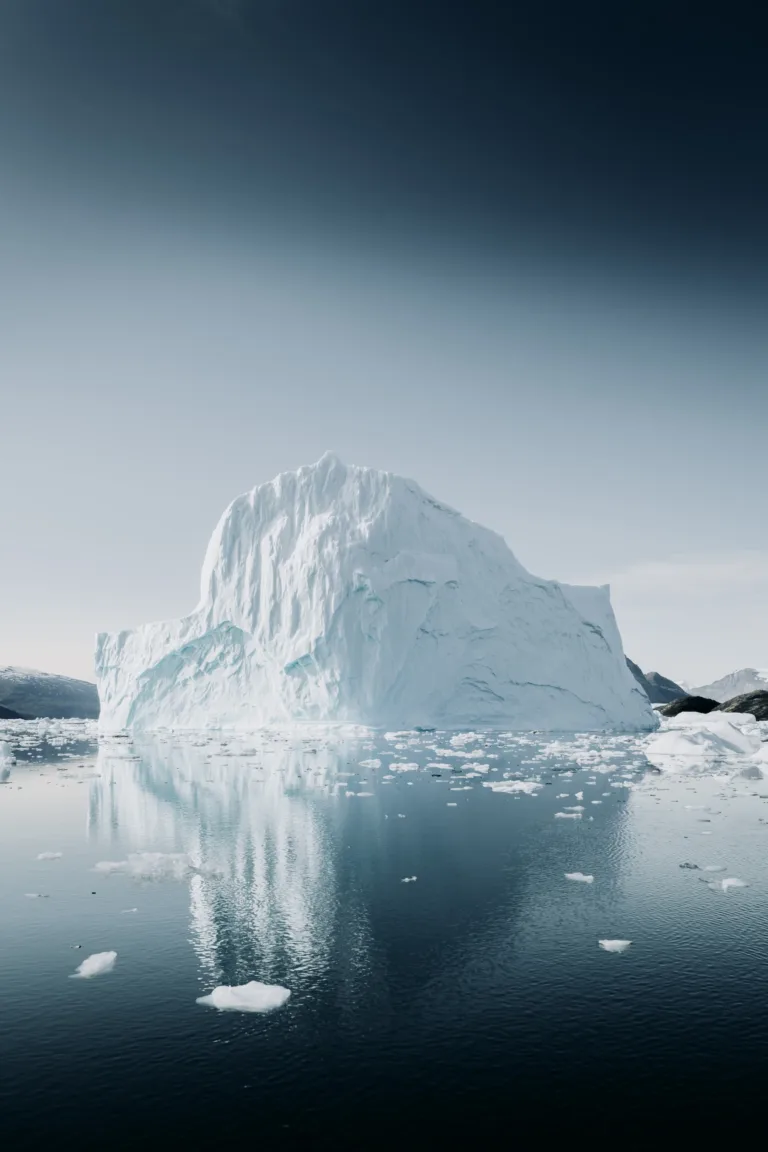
{"x": 254, "y": 819}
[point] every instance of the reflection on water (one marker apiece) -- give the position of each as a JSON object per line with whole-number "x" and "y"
{"x": 264, "y": 890}
{"x": 285, "y": 857}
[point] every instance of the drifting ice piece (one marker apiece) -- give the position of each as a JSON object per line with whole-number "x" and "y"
{"x": 345, "y": 594}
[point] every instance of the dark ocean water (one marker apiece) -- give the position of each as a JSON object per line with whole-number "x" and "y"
{"x": 473, "y": 1002}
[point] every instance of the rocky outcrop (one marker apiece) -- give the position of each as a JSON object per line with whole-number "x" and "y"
{"x": 9, "y": 714}
{"x": 689, "y": 704}
{"x": 754, "y": 703}
{"x": 32, "y": 695}
{"x": 659, "y": 689}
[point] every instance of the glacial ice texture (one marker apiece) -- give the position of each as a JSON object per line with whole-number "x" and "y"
{"x": 343, "y": 594}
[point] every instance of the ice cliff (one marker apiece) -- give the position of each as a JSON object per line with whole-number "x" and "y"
{"x": 345, "y": 594}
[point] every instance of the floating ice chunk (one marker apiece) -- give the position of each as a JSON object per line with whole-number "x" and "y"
{"x": 579, "y": 795}
{"x": 35, "y": 896}
{"x": 408, "y": 879}
{"x": 370, "y": 763}
{"x": 714, "y": 867}
{"x": 7, "y": 757}
{"x": 580, "y": 876}
{"x": 96, "y": 965}
{"x": 49, "y": 855}
{"x": 251, "y": 997}
{"x": 451, "y": 804}
{"x": 614, "y": 945}
{"x": 728, "y": 882}
{"x": 125, "y": 911}
{"x": 567, "y": 815}
{"x": 526, "y": 786}
{"x": 401, "y": 815}
{"x": 151, "y": 866}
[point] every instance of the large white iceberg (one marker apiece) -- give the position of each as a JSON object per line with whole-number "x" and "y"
{"x": 345, "y": 594}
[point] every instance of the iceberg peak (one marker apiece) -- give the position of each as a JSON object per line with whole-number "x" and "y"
{"x": 347, "y": 594}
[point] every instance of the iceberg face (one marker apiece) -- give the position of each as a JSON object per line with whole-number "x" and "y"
{"x": 349, "y": 595}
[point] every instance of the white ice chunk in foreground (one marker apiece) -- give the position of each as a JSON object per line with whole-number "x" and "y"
{"x": 49, "y": 855}
{"x": 580, "y": 876}
{"x": 345, "y": 594}
{"x": 614, "y": 945}
{"x": 693, "y": 739}
{"x": 251, "y": 997}
{"x": 96, "y": 965}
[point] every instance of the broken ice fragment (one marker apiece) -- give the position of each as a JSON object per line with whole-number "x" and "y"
{"x": 96, "y": 965}
{"x": 251, "y": 997}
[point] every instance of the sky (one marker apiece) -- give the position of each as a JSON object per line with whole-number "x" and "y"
{"x": 518, "y": 252}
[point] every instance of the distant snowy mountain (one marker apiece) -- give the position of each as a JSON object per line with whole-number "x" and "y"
{"x": 33, "y": 694}
{"x": 346, "y": 594}
{"x": 736, "y": 684}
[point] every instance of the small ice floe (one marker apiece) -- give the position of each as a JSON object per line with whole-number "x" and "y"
{"x": 595, "y": 801}
{"x": 614, "y": 945}
{"x": 36, "y": 895}
{"x": 151, "y": 866}
{"x": 567, "y": 815}
{"x": 370, "y": 763}
{"x": 714, "y": 867}
{"x": 528, "y": 787}
{"x": 401, "y": 815}
{"x": 573, "y": 808}
{"x": 728, "y": 882}
{"x": 251, "y": 997}
{"x": 96, "y": 965}
{"x": 408, "y": 879}
{"x": 579, "y": 795}
{"x": 49, "y": 855}
{"x": 581, "y": 877}
{"x": 127, "y": 911}
{"x": 363, "y": 793}
{"x": 451, "y": 804}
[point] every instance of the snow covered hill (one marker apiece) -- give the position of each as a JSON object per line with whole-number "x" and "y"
{"x": 32, "y": 694}
{"x": 736, "y": 684}
{"x": 346, "y": 594}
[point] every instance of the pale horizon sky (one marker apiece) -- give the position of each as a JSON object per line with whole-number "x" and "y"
{"x": 234, "y": 237}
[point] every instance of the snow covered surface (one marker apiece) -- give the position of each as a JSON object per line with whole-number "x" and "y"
{"x": 96, "y": 965}
{"x": 692, "y": 740}
{"x": 349, "y": 595}
{"x": 251, "y": 997}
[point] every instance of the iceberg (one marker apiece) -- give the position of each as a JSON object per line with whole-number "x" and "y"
{"x": 348, "y": 595}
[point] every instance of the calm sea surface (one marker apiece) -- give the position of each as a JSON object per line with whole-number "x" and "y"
{"x": 472, "y": 1001}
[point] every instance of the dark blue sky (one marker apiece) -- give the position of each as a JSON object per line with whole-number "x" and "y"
{"x": 518, "y": 251}
{"x": 589, "y": 129}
